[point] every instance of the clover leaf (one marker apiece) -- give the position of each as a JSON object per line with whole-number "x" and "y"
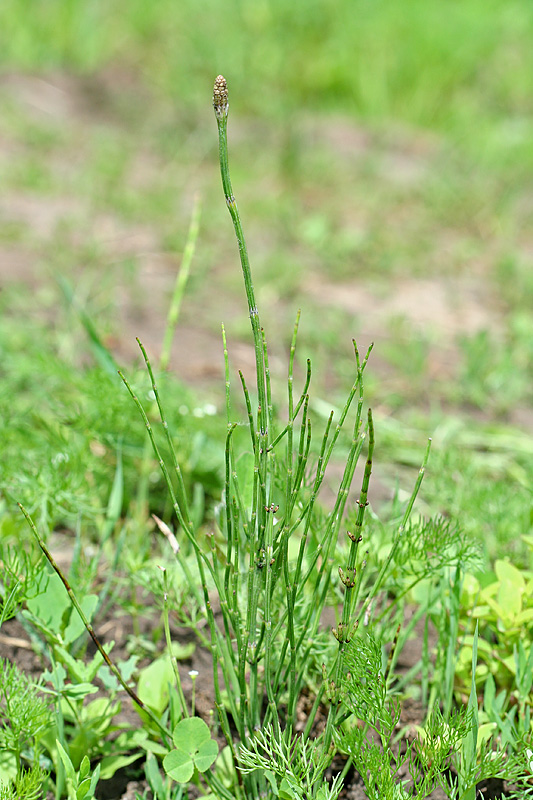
{"x": 194, "y": 749}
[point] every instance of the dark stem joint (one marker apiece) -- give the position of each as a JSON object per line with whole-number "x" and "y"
{"x": 361, "y": 505}
{"x": 271, "y": 509}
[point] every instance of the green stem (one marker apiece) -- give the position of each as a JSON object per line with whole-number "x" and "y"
{"x": 173, "y": 659}
{"x": 181, "y": 512}
{"x": 181, "y": 282}
{"x": 386, "y": 564}
{"x": 258, "y": 529}
{"x": 269, "y": 563}
{"x": 226, "y": 376}
{"x": 181, "y": 493}
{"x": 343, "y": 632}
{"x": 172, "y": 319}
{"x": 221, "y": 106}
{"x": 248, "y": 409}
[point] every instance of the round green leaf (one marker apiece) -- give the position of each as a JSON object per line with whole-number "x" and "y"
{"x": 190, "y": 733}
{"x": 179, "y": 766}
{"x": 194, "y": 748}
{"x": 206, "y": 754}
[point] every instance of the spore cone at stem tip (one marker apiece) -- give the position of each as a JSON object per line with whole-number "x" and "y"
{"x": 220, "y": 97}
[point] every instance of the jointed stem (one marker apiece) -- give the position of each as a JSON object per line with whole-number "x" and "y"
{"x": 221, "y": 105}
{"x": 344, "y": 632}
{"x": 376, "y": 586}
{"x": 259, "y": 525}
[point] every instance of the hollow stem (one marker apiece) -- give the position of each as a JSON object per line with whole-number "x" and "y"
{"x": 221, "y": 106}
{"x": 343, "y": 632}
{"x": 259, "y": 528}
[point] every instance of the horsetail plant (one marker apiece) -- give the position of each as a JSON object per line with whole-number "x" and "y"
{"x": 274, "y": 575}
{"x": 274, "y": 562}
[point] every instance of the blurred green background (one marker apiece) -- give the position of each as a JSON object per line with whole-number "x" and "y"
{"x": 382, "y": 158}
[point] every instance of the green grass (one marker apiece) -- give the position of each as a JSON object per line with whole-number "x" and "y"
{"x": 69, "y": 430}
{"x": 428, "y": 63}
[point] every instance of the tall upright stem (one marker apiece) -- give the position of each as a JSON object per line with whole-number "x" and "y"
{"x": 261, "y": 551}
{"x": 221, "y": 106}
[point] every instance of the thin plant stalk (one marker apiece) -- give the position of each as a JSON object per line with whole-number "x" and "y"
{"x": 401, "y": 529}
{"x": 181, "y": 494}
{"x": 226, "y": 376}
{"x": 74, "y": 600}
{"x": 181, "y": 282}
{"x": 344, "y": 631}
{"x": 168, "y": 640}
{"x": 202, "y": 561}
{"x": 221, "y": 107}
{"x": 172, "y": 320}
{"x": 261, "y": 502}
